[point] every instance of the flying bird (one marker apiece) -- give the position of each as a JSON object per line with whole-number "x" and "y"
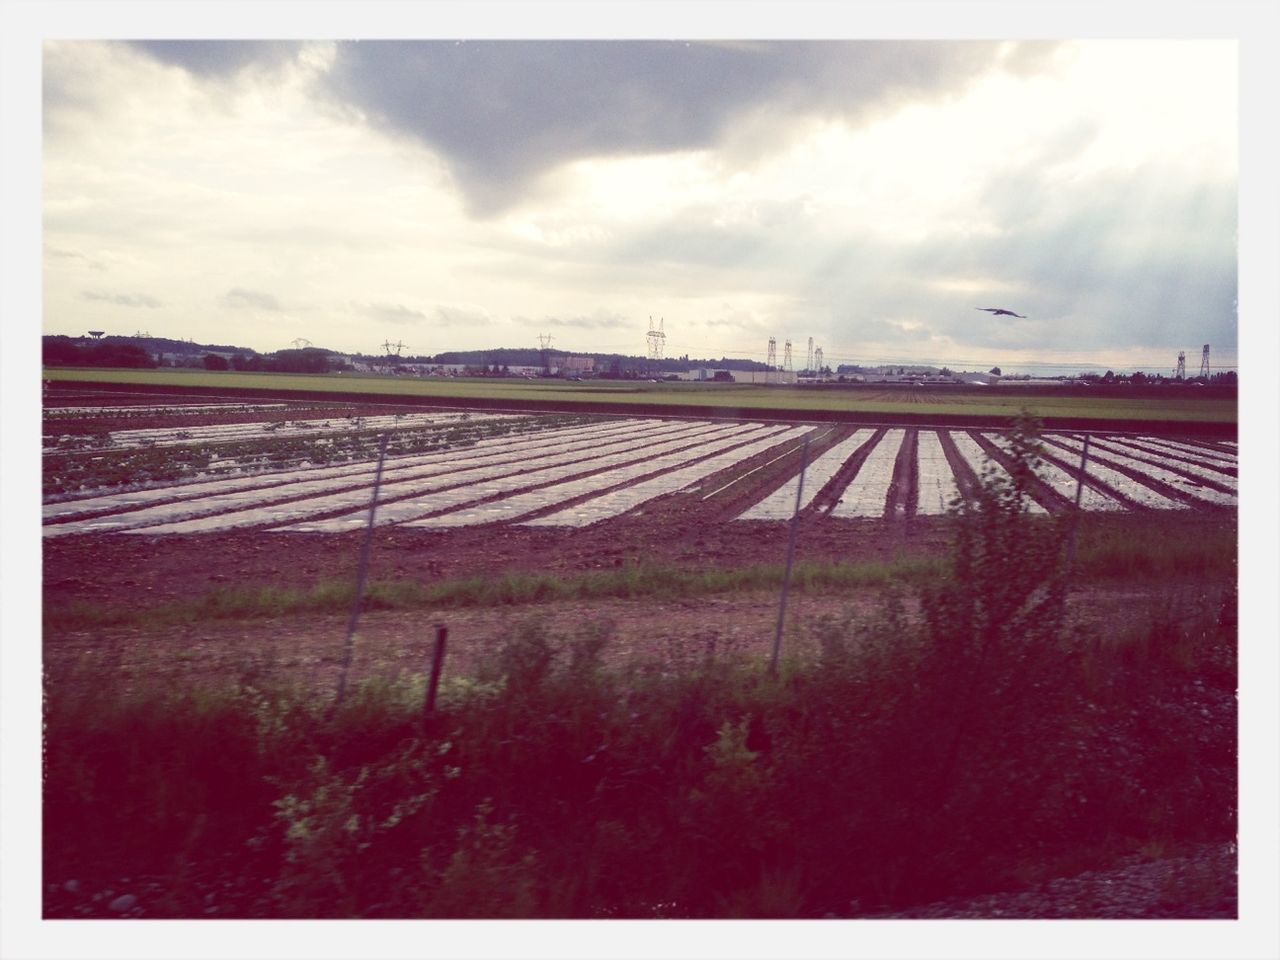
{"x": 997, "y": 311}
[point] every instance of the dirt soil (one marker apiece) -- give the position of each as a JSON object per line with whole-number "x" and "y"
{"x": 308, "y": 648}
{"x": 120, "y": 572}
{"x": 690, "y": 530}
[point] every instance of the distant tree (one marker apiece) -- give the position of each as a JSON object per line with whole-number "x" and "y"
{"x": 1109, "y": 377}
{"x": 306, "y": 360}
{"x": 213, "y": 361}
{"x": 995, "y": 371}
{"x": 117, "y": 355}
{"x": 1138, "y": 377}
{"x": 60, "y": 352}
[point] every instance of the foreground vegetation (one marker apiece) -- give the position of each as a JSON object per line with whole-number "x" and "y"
{"x": 981, "y": 746}
{"x": 1154, "y": 404}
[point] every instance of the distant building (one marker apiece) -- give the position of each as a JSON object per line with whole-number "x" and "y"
{"x": 707, "y": 373}
{"x": 575, "y": 366}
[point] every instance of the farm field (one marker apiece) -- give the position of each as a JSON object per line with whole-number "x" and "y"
{"x": 235, "y": 501}
{"x": 532, "y": 470}
{"x": 1166, "y": 405}
{"x": 191, "y": 547}
{"x": 139, "y": 492}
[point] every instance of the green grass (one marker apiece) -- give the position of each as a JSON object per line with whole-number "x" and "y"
{"x": 1102, "y": 554}
{"x": 742, "y": 397}
{"x": 644, "y": 581}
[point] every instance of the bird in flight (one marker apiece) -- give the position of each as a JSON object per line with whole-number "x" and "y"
{"x": 997, "y": 311}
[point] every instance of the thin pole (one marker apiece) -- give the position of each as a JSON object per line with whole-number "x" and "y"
{"x": 791, "y": 550}
{"x": 437, "y": 664}
{"x": 357, "y": 601}
{"x": 1075, "y": 517}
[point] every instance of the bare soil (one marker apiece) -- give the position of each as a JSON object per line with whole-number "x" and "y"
{"x": 307, "y": 649}
{"x": 689, "y": 530}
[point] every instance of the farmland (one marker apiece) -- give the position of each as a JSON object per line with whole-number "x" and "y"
{"x": 1170, "y": 405}
{"x": 201, "y": 539}
{"x": 447, "y": 470}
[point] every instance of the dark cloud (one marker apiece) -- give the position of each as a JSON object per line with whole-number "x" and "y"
{"x": 218, "y": 58}
{"x": 240, "y": 299}
{"x": 122, "y": 299}
{"x": 504, "y": 112}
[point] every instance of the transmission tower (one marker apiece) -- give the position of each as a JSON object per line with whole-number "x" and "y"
{"x": 1204, "y": 362}
{"x": 808, "y": 360}
{"x": 301, "y": 342}
{"x": 657, "y": 340}
{"x": 771, "y": 359}
{"x": 388, "y": 345}
{"x": 544, "y": 351}
{"x": 817, "y": 360}
{"x": 786, "y": 356}
{"x": 1181, "y": 372}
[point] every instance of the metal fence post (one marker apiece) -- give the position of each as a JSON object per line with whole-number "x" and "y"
{"x": 437, "y": 664}
{"x": 791, "y": 550}
{"x": 1075, "y": 517}
{"x": 357, "y": 601}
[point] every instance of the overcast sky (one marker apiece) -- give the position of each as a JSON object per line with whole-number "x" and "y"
{"x": 868, "y": 194}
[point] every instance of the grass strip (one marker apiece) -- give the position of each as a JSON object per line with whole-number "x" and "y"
{"x": 641, "y": 581}
{"x": 1150, "y": 405}
{"x": 1104, "y": 558}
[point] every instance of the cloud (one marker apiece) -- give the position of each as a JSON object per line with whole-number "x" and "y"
{"x": 240, "y": 299}
{"x": 440, "y": 315}
{"x": 393, "y": 313}
{"x": 504, "y": 113}
{"x": 122, "y": 299}
{"x": 60, "y": 254}
{"x": 218, "y": 58}
{"x": 600, "y": 320}
{"x": 1121, "y": 259}
{"x": 460, "y": 315}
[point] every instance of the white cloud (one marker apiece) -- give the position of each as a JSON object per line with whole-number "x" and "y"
{"x": 1089, "y": 185}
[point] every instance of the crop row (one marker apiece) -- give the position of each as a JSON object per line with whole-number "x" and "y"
{"x": 577, "y": 475}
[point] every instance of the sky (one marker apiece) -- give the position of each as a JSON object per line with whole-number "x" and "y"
{"x": 457, "y": 195}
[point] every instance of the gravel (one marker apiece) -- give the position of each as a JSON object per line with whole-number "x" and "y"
{"x": 1198, "y": 883}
